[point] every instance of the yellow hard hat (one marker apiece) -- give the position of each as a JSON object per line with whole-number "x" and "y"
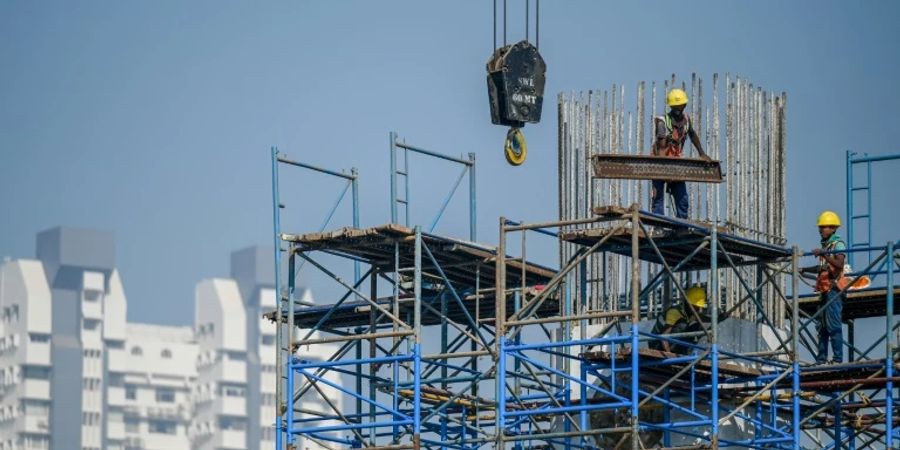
{"x": 829, "y": 219}
{"x": 696, "y": 296}
{"x": 676, "y": 97}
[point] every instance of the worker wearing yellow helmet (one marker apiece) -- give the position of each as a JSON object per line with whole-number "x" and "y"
{"x": 672, "y": 131}
{"x": 827, "y": 272}
{"x": 680, "y": 318}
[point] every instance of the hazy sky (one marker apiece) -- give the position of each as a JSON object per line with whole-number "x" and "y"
{"x": 155, "y": 119}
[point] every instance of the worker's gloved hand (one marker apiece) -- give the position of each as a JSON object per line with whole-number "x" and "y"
{"x": 818, "y": 251}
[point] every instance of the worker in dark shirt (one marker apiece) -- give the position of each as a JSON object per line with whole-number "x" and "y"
{"x": 672, "y": 130}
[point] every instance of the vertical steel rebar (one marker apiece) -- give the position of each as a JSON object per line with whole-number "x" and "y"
{"x": 640, "y": 139}
{"x": 473, "y": 210}
{"x": 749, "y": 203}
{"x": 354, "y": 183}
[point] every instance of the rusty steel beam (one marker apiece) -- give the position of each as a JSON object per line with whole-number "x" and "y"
{"x": 649, "y": 167}
{"x": 847, "y": 382}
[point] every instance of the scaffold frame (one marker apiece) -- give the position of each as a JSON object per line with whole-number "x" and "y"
{"x": 558, "y": 369}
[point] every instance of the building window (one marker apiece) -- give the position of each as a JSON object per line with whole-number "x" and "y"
{"x": 268, "y": 339}
{"x": 232, "y": 391}
{"x": 38, "y": 408}
{"x": 163, "y": 426}
{"x": 132, "y": 425}
{"x": 90, "y": 419}
{"x": 36, "y": 373}
{"x": 235, "y": 356}
{"x": 115, "y": 380}
{"x": 38, "y": 337}
{"x": 131, "y": 392}
{"x": 165, "y": 395}
{"x": 232, "y": 423}
{"x": 92, "y": 295}
{"x": 166, "y": 354}
{"x": 136, "y": 351}
{"x": 91, "y": 324}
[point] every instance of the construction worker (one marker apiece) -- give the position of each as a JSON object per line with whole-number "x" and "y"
{"x": 672, "y": 130}
{"x": 680, "y": 319}
{"x": 828, "y": 271}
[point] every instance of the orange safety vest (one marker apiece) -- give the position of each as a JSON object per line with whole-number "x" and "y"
{"x": 827, "y": 274}
{"x": 675, "y": 135}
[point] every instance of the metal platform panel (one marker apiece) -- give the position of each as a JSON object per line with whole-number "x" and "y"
{"x": 480, "y": 307}
{"x": 676, "y": 240}
{"x": 650, "y": 167}
{"x": 462, "y": 261}
{"x": 468, "y": 266}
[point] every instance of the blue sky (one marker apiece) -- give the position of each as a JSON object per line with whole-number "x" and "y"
{"x": 155, "y": 119}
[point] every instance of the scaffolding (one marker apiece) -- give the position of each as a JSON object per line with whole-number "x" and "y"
{"x": 452, "y": 344}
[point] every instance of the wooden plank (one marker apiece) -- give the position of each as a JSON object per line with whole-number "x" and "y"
{"x": 705, "y": 365}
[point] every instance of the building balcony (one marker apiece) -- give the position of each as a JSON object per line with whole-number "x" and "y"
{"x": 134, "y": 442}
{"x": 36, "y": 424}
{"x": 156, "y": 441}
{"x": 37, "y": 353}
{"x": 174, "y": 412}
{"x": 230, "y": 371}
{"x": 230, "y": 439}
{"x": 118, "y": 360}
{"x": 92, "y": 310}
{"x": 230, "y": 406}
{"x": 115, "y": 396}
{"x": 37, "y": 389}
{"x": 115, "y": 430}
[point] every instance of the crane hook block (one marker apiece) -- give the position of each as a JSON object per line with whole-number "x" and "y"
{"x": 515, "y": 148}
{"x": 516, "y": 78}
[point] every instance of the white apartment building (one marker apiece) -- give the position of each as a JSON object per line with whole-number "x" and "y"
{"x": 220, "y": 393}
{"x": 25, "y": 359}
{"x": 75, "y": 375}
{"x": 155, "y": 394}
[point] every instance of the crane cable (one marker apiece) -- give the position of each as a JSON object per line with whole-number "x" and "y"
{"x": 515, "y": 149}
{"x": 537, "y": 23}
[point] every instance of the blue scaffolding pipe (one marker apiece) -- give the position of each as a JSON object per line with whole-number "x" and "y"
{"x": 350, "y": 362}
{"x": 889, "y": 352}
{"x": 467, "y": 169}
{"x": 447, "y": 199}
{"x": 354, "y": 395}
{"x": 347, "y": 427}
{"x": 561, "y": 374}
{"x": 280, "y": 371}
{"x": 854, "y": 159}
{"x": 577, "y": 342}
{"x": 565, "y": 409}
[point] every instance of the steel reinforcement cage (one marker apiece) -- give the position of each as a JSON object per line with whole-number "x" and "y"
{"x": 445, "y": 343}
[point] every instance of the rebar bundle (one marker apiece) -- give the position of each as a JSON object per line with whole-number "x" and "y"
{"x": 750, "y": 203}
